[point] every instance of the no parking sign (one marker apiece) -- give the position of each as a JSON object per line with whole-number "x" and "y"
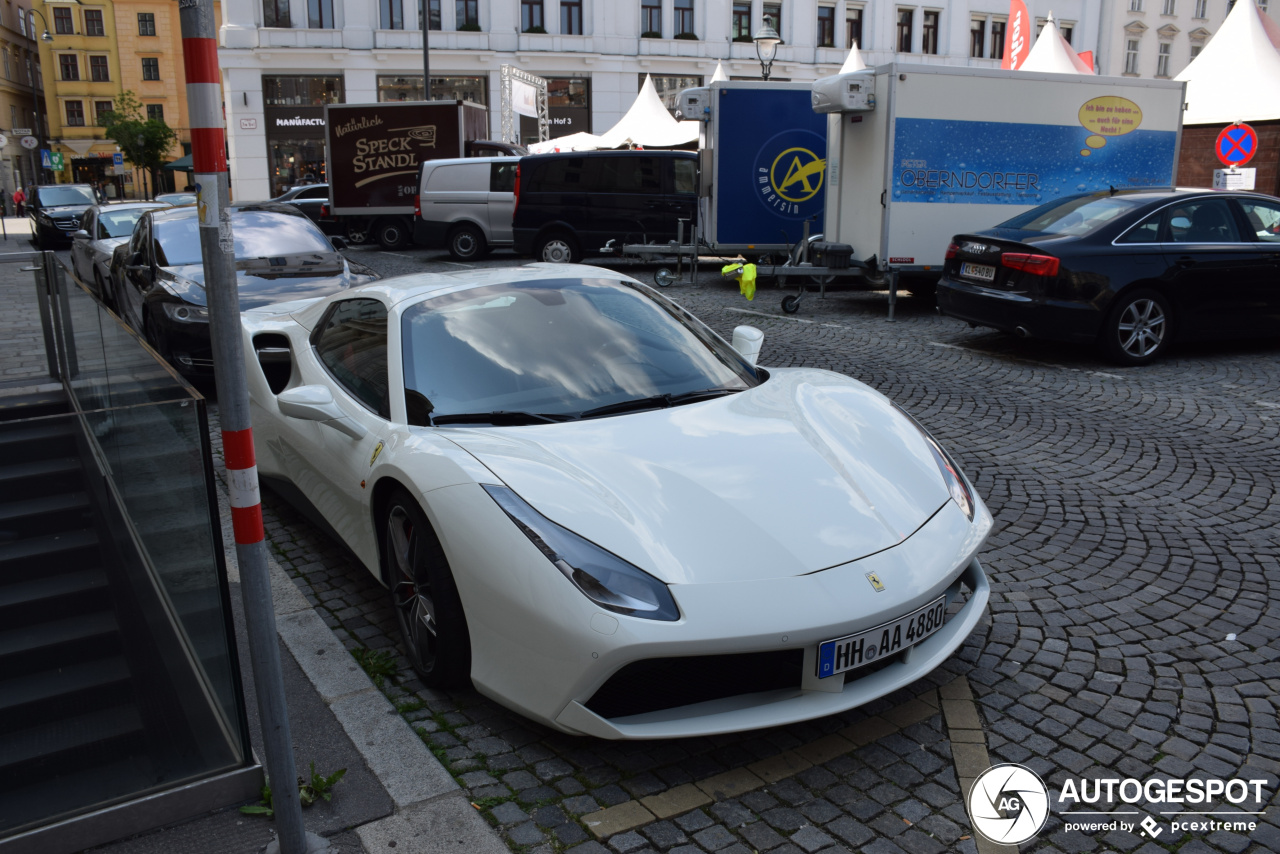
{"x": 1236, "y": 144}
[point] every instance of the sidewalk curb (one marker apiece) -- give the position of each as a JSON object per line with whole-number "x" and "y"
{"x": 432, "y": 814}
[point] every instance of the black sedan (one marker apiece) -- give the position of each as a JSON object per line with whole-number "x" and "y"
{"x": 1129, "y": 270}
{"x": 55, "y": 211}
{"x": 158, "y": 276}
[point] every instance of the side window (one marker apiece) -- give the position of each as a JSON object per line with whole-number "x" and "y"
{"x": 563, "y": 175}
{"x": 315, "y": 193}
{"x": 1207, "y": 221}
{"x": 1264, "y": 219}
{"x": 686, "y": 176}
{"x": 352, "y": 344}
{"x": 139, "y": 241}
{"x": 628, "y": 173}
{"x": 502, "y": 177}
{"x": 1148, "y": 231}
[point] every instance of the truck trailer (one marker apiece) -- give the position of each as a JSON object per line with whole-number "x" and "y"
{"x": 372, "y": 157}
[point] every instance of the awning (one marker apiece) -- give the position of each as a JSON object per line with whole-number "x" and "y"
{"x": 182, "y": 164}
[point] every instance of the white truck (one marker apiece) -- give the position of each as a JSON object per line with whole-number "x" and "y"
{"x": 916, "y": 154}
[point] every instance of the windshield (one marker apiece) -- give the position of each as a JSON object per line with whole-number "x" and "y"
{"x": 258, "y": 234}
{"x": 53, "y": 196}
{"x": 1075, "y": 216}
{"x": 560, "y": 348}
{"x": 119, "y": 223}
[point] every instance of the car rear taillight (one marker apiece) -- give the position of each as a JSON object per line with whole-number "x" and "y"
{"x": 516, "y": 190}
{"x": 417, "y": 206}
{"x": 324, "y": 209}
{"x": 952, "y": 249}
{"x": 1036, "y": 265}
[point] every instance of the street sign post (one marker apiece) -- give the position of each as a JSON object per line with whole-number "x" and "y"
{"x": 117, "y": 160}
{"x": 1236, "y": 144}
{"x": 55, "y": 161}
{"x": 29, "y": 142}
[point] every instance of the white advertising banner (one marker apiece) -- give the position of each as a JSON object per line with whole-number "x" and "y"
{"x": 524, "y": 98}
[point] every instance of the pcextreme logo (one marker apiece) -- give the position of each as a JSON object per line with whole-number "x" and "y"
{"x": 789, "y": 174}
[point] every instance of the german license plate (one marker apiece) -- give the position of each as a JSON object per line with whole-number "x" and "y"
{"x": 984, "y": 272}
{"x": 854, "y": 651}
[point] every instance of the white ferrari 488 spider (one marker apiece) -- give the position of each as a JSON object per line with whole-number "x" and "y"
{"x": 601, "y": 514}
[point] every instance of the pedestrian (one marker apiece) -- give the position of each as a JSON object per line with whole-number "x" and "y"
{"x": 97, "y": 192}
{"x": 19, "y": 201}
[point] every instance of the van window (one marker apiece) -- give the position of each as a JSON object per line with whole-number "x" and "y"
{"x": 629, "y": 173}
{"x": 686, "y": 175}
{"x": 564, "y": 174}
{"x": 502, "y": 177}
{"x": 457, "y": 177}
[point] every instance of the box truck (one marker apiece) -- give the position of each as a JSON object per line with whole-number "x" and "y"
{"x": 372, "y": 155}
{"x": 916, "y": 154}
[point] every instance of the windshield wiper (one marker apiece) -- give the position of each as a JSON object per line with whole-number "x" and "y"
{"x": 657, "y": 401}
{"x": 498, "y": 418}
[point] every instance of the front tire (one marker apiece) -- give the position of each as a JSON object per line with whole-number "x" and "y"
{"x": 558, "y": 248}
{"x": 1138, "y": 327}
{"x": 467, "y": 243}
{"x": 357, "y": 231}
{"x": 424, "y": 596}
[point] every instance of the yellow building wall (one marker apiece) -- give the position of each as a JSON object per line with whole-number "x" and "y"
{"x": 17, "y": 105}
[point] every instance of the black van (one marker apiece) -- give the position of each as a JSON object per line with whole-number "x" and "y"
{"x": 569, "y": 204}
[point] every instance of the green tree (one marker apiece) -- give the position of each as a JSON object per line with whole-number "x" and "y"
{"x": 144, "y": 142}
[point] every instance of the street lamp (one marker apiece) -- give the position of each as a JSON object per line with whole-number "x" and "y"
{"x": 767, "y": 41}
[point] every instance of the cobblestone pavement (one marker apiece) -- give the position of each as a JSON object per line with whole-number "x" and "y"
{"x": 1133, "y": 627}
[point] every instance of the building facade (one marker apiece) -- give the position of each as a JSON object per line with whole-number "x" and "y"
{"x": 1159, "y": 38}
{"x": 19, "y": 83}
{"x": 282, "y": 60}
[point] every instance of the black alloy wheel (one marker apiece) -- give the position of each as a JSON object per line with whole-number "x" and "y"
{"x": 424, "y": 596}
{"x": 1138, "y": 328}
{"x": 467, "y": 243}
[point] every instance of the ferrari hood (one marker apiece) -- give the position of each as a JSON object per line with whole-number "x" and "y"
{"x": 805, "y": 472}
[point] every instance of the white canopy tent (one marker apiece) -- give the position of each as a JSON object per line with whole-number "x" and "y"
{"x": 1053, "y": 54}
{"x": 1236, "y": 78}
{"x": 853, "y": 62}
{"x": 647, "y": 124}
{"x": 719, "y": 74}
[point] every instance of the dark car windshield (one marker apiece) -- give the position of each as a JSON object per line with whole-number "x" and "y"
{"x": 119, "y": 223}
{"x": 258, "y": 234}
{"x": 1075, "y": 215}
{"x": 560, "y": 348}
{"x": 51, "y": 197}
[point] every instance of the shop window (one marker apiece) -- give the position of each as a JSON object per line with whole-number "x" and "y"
{"x": 297, "y": 91}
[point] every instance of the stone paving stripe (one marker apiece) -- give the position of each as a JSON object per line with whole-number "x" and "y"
{"x": 825, "y": 749}
{"x": 449, "y": 825}
{"x": 969, "y": 736}
{"x": 971, "y": 759}
{"x": 320, "y": 655}
{"x": 865, "y": 732}
{"x": 730, "y": 784}
{"x": 675, "y": 801}
{"x": 779, "y": 767}
{"x": 393, "y": 751}
{"x": 910, "y": 712}
{"x": 956, "y": 689}
{"x": 961, "y": 714}
{"x": 617, "y": 819}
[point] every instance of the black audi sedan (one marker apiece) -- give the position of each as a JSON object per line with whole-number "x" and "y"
{"x": 1129, "y": 271}
{"x": 157, "y": 277}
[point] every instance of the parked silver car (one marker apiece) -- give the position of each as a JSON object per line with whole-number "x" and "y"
{"x": 102, "y": 229}
{"x": 466, "y": 205}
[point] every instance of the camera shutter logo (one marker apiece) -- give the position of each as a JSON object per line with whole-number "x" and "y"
{"x": 1008, "y": 804}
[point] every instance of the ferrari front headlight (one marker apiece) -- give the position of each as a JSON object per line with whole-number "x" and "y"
{"x": 951, "y": 474}
{"x": 603, "y": 577}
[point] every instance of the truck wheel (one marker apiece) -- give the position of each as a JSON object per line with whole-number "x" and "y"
{"x": 557, "y": 248}
{"x": 391, "y": 234}
{"x": 467, "y": 243}
{"x": 357, "y": 231}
